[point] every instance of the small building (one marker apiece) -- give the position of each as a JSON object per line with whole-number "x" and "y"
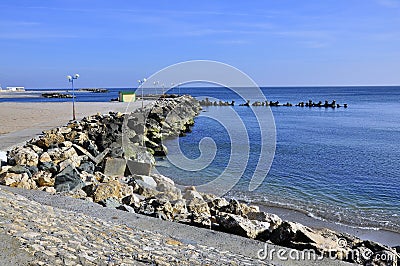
{"x": 15, "y": 88}
{"x": 127, "y": 96}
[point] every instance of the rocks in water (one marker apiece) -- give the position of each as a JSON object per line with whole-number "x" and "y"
{"x": 68, "y": 180}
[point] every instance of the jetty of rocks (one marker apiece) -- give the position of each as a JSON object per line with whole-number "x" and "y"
{"x": 95, "y": 90}
{"x": 86, "y": 160}
{"x": 310, "y": 103}
{"x": 57, "y": 95}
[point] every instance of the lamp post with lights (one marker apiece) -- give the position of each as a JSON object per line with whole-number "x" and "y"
{"x": 140, "y": 84}
{"x": 71, "y": 79}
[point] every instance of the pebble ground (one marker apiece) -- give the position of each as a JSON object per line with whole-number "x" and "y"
{"x": 54, "y": 236}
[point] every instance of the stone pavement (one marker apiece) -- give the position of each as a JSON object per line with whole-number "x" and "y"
{"x": 59, "y": 230}
{"x": 58, "y": 237}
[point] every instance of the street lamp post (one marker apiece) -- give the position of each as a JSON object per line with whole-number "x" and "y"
{"x": 163, "y": 87}
{"x": 155, "y": 83}
{"x": 140, "y": 84}
{"x": 71, "y": 79}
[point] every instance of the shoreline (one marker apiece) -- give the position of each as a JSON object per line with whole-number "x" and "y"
{"x": 380, "y": 235}
{"x": 190, "y": 194}
{"x": 36, "y": 123}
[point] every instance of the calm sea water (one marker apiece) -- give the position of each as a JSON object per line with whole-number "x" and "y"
{"x": 342, "y": 165}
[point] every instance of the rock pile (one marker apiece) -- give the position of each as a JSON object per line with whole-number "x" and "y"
{"x": 101, "y": 159}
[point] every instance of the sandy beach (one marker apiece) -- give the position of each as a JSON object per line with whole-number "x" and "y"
{"x": 22, "y": 121}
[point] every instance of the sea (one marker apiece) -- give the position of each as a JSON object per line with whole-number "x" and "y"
{"x": 340, "y": 165}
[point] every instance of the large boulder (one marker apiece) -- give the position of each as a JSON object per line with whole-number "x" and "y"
{"x": 44, "y": 158}
{"x": 68, "y": 180}
{"x": 115, "y": 167}
{"x": 217, "y": 204}
{"x": 108, "y": 190}
{"x": 298, "y": 236}
{"x": 199, "y": 211}
{"x": 234, "y": 207}
{"x": 44, "y": 179}
{"x": 24, "y": 156}
{"x": 11, "y": 179}
{"x": 167, "y": 188}
{"x": 160, "y": 179}
{"x": 191, "y": 193}
{"x": 148, "y": 180}
{"x": 58, "y": 155}
{"x": 20, "y": 169}
{"x": 49, "y": 167}
{"x": 49, "y": 139}
{"x": 144, "y": 189}
{"x": 239, "y": 225}
{"x": 273, "y": 219}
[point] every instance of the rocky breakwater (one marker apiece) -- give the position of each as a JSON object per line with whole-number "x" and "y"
{"x": 107, "y": 159}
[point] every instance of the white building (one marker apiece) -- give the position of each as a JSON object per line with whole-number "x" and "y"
{"x": 15, "y": 88}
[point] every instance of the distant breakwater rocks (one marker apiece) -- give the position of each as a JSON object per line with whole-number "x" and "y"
{"x": 333, "y": 104}
{"x": 85, "y": 160}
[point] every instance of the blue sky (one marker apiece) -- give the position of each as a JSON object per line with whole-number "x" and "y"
{"x": 277, "y": 43}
